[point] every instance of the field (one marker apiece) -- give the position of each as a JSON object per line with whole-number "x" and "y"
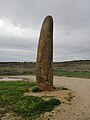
{"x": 69, "y": 69}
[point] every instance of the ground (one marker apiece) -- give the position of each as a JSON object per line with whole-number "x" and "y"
{"x": 76, "y": 109}
{"x": 79, "y": 109}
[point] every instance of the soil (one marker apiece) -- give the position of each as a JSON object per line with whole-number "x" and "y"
{"x": 76, "y": 109}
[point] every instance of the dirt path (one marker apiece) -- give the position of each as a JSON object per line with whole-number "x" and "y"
{"x": 79, "y": 109}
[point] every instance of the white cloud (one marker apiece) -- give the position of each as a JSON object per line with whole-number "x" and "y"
{"x": 7, "y": 28}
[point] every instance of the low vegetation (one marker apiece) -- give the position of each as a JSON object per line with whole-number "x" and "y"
{"x": 36, "y": 89}
{"x": 33, "y": 105}
{"x": 80, "y": 74}
{"x": 12, "y": 98}
{"x": 79, "y": 68}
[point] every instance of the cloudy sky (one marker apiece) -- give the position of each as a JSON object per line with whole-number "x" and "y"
{"x": 20, "y": 23}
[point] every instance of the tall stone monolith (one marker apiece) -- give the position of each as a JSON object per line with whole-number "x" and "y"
{"x": 44, "y": 62}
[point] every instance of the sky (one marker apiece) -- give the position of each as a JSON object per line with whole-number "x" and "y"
{"x": 21, "y": 20}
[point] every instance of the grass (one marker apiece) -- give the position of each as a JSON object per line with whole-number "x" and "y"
{"x": 79, "y": 74}
{"x": 67, "y": 73}
{"x": 12, "y": 97}
{"x": 11, "y": 92}
{"x": 33, "y": 105}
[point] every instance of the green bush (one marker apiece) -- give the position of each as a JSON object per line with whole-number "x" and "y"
{"x": 54, "y": 101}
{"x": 36, "y": 89}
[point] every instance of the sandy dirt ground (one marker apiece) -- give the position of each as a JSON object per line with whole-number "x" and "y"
{"x": 77, "y": 109}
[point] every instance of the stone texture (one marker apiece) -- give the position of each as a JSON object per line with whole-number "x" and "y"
{"x": 44, "y": 62}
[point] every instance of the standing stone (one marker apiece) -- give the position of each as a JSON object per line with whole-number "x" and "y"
{"x": 44, "y": 63}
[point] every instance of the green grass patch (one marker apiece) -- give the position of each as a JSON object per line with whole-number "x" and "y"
{"x": 80, "y": 74}
{"x": 67, "y": 73}
{"x": 12, "y": 96}
{"x": 10, "y": 92}
{"x": 36, "y": 89}
{"x": 33, "y": 105}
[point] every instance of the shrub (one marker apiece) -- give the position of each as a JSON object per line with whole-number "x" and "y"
{"x": 54, "y": 101}
{"x": 36, "y": 89}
